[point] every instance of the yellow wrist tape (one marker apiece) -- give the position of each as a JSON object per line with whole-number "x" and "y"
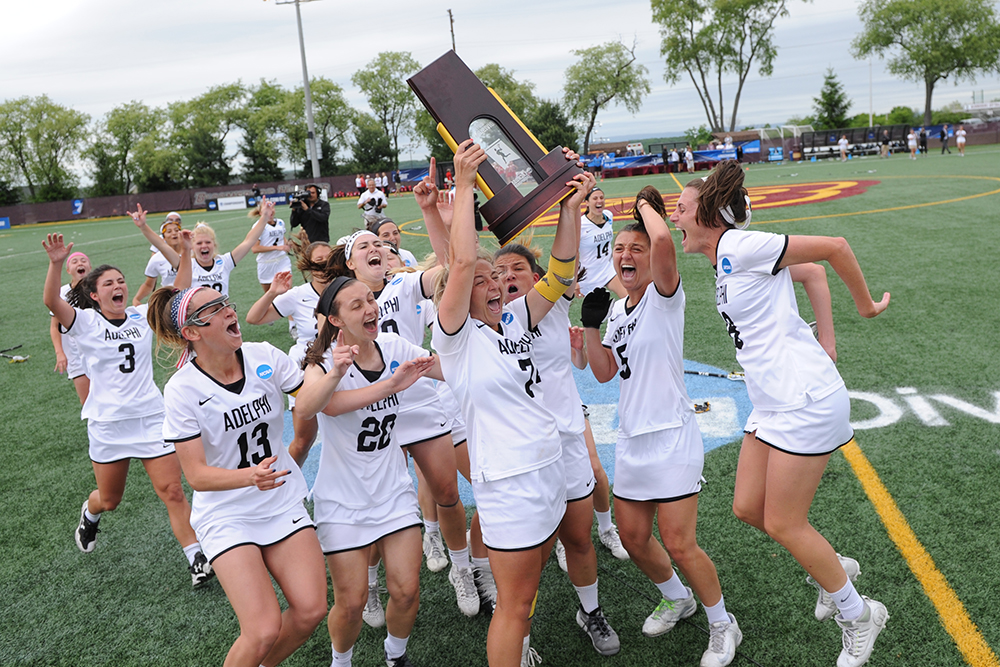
{"x": 557, "y": 279}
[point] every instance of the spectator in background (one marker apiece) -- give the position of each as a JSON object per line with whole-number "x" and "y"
{"x": 313, "y": 214}
{"x": 689, "y": 159}
{"x": 398, "y": 179}
{"x": 960, "y": 139}
{"x": 944, "y": 139}
{"x": 372, "y": 201}
{"x": 911, "y": 143}
{"x": 842, "y": 145}
{"x": 676, "y": 159}
{"x": 359, "y": 183}
{"x": 885, "y": 143}
{"x": 923, "y": 141}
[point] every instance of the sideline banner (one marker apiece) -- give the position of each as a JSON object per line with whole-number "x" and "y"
{"x": 231, "y": 203}
{"x": 4, "y": 223}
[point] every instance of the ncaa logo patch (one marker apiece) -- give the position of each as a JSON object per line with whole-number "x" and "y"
{"x": 264, "y": 371}
{"x": 135, "y": 316}
{"x": 218, "y": 261}
{"x": 507, "y": 318}
{"x": 727, "y": 266}
{"x": 397, "y": 281}
{"x": 393, "y": 366}
{"x": 419, "y": 309}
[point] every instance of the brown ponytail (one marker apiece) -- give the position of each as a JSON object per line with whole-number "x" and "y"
{"x": 158, "y": 316}
{"x": 722, "y": 188}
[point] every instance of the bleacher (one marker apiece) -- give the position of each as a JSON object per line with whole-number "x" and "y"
{"x": 860, "y": 141}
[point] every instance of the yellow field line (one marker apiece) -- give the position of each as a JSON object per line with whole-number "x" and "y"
{"x": 679, "y": 186}
{"x": 955, "y": 619}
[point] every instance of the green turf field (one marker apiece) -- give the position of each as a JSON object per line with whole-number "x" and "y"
{"x": 131, "y": 603}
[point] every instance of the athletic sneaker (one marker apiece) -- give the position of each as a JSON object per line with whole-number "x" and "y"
{"x": 86, "y": 533}
{"x": 667, "y": 613}
{"x": 465, "y": 589}
{"x": 561, "y": 555}
{"x": 401, "y": 661}
{"x": 859, "y": 635}
{"x": 373, "y": 613}
{"x": 604, "y": 638}
{"x": 610, "y": 539}
{"x": 487, "y": 588}
{"x": 434, "y": 551}
{"x": 825, "y": 606}
{"x": 530, "y": 657}
{"x": 200, "y": 569}
{"x": 722, "y": 642}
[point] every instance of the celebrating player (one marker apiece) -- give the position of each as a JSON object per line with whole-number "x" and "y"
{"x": 225, "y": 417}
{"x": 363, "y": 492}
{"x": 158, "y": 266}
{"x": 596, "y": 237}
{"x": 210, "y": 268}
{"x": 801, "y": 407}
{"x": 271, "y": 250}
{"x": 387, "y": 230}
{"x": 68, "y": 357}
{"x": 124, "y": 408}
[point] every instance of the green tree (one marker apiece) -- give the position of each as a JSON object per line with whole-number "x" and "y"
{"x": 371, "y": 148}
{"x": 261, "y": 121}
{"x": 111, "y": 151}
{"x": 550, "y": 126}
{"x": 698, "y": 136}
{"x": 40, "y": 139}
{"x": 519, "y": 96}
{"x": 931, "y": 40}
{"x": 903, "y": 116}
{"x": 383, "y": 83}
{"x": 603, "y": 74}
{"x": 9, "y": 194}
{"x": 332, "y": 119}
{"x": 199, "y": 131}
{"x": 708, "y": 39}
{"x": 425, "y": 127}
{"x": 832, "y": 105}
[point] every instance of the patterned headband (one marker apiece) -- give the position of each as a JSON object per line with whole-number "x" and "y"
{"x": 178, "y": 314}
{"x": 349, "y": 246}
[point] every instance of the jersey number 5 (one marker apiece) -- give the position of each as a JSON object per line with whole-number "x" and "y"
{"x": 733, "y": 331}
{"x": 375, "y": 434}
{"x": 626, "y": 372}
{"x": 260, "y": 433}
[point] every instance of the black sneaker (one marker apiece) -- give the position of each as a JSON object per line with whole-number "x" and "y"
{"x": 487, "y": 588}
{"x": 86, "y": 533}
{"x": 604, "y": 638}
{"x": 401, "y": 661}
{"x": 200, "y": 569}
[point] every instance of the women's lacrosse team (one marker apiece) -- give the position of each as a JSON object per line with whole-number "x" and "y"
{"x": 496, "y": 403}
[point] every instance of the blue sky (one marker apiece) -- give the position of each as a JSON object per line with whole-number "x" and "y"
{"x": 97, "y": 54}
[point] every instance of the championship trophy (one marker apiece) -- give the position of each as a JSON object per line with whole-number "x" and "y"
{"x": 520, "y": 178}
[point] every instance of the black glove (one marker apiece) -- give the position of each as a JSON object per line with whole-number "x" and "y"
{"x": 595, "y": 308}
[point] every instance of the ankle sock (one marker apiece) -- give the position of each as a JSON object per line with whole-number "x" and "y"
{"x": 673, "y": 589}
{"x": 604, "y": 521}
{"x": 717, "y": 612}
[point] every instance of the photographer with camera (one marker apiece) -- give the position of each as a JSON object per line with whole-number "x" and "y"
{"x": 312, "y": 213}
{"x": 372, "y": 202}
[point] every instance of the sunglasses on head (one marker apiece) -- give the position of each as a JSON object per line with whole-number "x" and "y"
{"x": 202, "y": 317}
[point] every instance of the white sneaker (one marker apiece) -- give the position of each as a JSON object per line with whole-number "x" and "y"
{"x": 530, "y": 657}
{"x": 487, "y": 587}
{"x": 465, "y": 589}
{"x": 561, "y": 555}
{"x": 434, "y": 551}
{"x": 825, "y": 606}
{"x": 612, "y": 541}
{"x": 373, "y": 613}
{"x": 668, "y": 613}
{"x": 722, "y": 643}
{"x": 859, "y": 635}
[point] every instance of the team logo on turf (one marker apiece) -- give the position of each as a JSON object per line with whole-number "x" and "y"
{"x": 264, "y": 371}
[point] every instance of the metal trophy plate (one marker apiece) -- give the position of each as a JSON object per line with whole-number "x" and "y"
{"x": 520, "y": 178}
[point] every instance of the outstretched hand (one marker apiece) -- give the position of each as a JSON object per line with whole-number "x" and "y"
{"x": 138, "y": 216}
{"x": 266, "y": 209}
{"x": 282, "y": 282}
{"x": 582, "y": 184}
{"x": 426, "y": 191}
{"x": 187, "y": 240}
{"x": 343, "y": 356}
{"x": 576, "y": 338}
{"x": 55, "y": 248}
{"x": 410, "y": 371}
{"x": 468, "y": 157}
{"x": 266, "y": 479}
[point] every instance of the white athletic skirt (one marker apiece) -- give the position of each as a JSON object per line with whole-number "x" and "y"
{"x": 451, "y": 408}
{"x": 661, "y": 466}
{"x": 580, "y": 480}
{"x": 821, "y": 427}
{"x": 521, "y": 512}
{"x": 267, "y": 270}
{"x": 343, "y": 529}
{"x": 219, "y": 536}
{"x": 426, "y": 420}
{"x": 138, "y": 438}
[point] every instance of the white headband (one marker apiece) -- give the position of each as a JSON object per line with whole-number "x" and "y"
{"x": 349, "y": 245}
{"x": 728, "y": 216}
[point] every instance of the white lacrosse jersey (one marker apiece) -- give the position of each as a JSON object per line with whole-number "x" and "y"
{"x": 240, "y": 425}
{"x": 118, "y": 357}
{"x": 272, "y": 235}
{"x": 552, "y": 354}
{"x": 372, "y": 200}
{"x": 960, "y": 136}
{"x": 596, "y": 242}
{"x": 70, "y": 348}
{"x": 217, "y": 277}
{"x": 362, "y": 464}
{"x": 398, "y": 303}
{"x": 300, "y": 302}
{"x": 408, "y": 258}
{"x": 785, "y": 365}
{"x": 159, "y": 267}
{"x": 647, "y": 343}
{"x": 499, "y": 387}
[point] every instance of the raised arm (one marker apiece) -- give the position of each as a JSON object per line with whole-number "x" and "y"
{"x": 145, "y": 289}
{"x": 266, "y": 215}
{"x": 836, "y": 251}
{"x": 184, "y": 269}
{"x": 427, "y": 195}
{"x": 139, "y": 218}
{"x": 663, "y": 255}
{"x": 263, "y": 310}
{"x": 813, "y": 279}
{"x": 61, "y": 361}
{"x": 57, "y": 252}
{"x": 593, "y": 311}
{"x": 454, "y": 307}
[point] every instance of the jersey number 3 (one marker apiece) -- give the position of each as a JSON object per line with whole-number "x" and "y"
{"x": 260, "y": 433}
{"x": 128, "y": 365}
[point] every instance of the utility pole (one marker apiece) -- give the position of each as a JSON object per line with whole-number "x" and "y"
{"x": 311, "y": 136}
{"x": 451, "y": 20}
{"x": 871, "y": 120}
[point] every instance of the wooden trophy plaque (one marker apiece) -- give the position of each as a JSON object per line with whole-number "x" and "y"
{"x": 520, "y": 178}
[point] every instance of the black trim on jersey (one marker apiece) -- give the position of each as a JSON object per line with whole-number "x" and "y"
{"x": 260, "y": 546}
{"x": 461, "y": 442}
{"x": 186, "y": 438}
{"x": 232, "y": 386}
{"x": 280, "y": 314}
{"x": 117, "y": 323}
{"x": 423, "y": 440}
{"x": 298, "y": 386}
{"x": 78, "y": 376}
{"x": 715, "y": 267}
{"x": 66, "y": 329}
{"x": 628, "y": 311}
{"x": 373, "y": 376}
{"x": 421, "y": 281}
{"x": 527, "y": 311}
{"x": 534, "y": 546}
{"x": 657, "y": 500}
{"x": 754, "y": 433}
{"x": 777, "y": 263}
{"x": 365, "y": 546}
{"x": 455, "y": 333}
{"x": 672, "y": 294}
